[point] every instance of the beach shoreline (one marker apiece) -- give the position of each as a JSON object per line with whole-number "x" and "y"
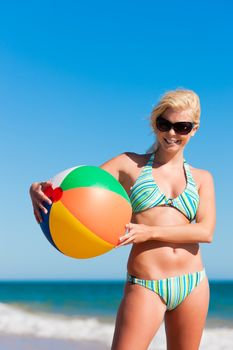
{"x": 65, "y": 316}
{"x": 212, "y": 339}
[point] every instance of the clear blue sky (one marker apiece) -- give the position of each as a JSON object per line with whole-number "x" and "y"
{"x": 78, "y": 80}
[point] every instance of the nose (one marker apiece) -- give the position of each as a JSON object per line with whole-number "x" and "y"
{"x": 171, "y": 132}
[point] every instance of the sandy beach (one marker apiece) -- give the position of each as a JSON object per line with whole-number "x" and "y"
{"x": 13, "y": 342}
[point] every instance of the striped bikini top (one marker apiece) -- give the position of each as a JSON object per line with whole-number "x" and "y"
{"x": 145, "y": 193}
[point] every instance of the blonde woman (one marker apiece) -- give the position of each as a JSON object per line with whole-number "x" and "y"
{"x": 166, "y": 279}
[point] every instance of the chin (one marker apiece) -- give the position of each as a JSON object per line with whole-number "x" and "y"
{"x": 172, "y": 149}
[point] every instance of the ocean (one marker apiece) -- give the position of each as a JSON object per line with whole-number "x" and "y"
{"x": 86, "y": 310}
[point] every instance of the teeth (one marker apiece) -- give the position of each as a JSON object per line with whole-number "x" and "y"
{"x": 171, "y": 141}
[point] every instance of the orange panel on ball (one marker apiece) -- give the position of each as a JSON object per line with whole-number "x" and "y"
{"x": 71, "y": 237}
{"x": 102, "y": 211}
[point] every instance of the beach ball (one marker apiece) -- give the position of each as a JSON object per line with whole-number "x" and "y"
{"x": 88, "y": 213}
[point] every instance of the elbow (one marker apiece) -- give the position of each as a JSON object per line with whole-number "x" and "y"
{"x": 208, "y": 236}
{"x": 209, "y": 239}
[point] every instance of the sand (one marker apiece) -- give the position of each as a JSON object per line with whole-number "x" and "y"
{"x": 13, "y": 342}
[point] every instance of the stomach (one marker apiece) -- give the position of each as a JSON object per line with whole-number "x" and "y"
{"x": 156, "y": 259}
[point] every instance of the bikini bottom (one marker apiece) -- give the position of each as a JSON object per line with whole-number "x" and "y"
{"x": 173, "y": 290}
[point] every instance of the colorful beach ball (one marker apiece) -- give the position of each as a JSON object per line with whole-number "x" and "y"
{"x": 89, "y": 212}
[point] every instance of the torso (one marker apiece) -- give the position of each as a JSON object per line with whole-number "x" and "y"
{"x": 154, "y": 259}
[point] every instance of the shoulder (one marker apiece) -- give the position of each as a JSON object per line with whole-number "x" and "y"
{"x": 207, "y": 178}
{"x": 202, "y": 177}
{"x": 127, "y": 159}
{"x": 124, "y": 164}
{"x": 136, "y": 159}
{"x": 202, "y": 173}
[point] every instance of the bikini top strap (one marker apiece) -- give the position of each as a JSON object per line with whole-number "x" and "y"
{"x": 151, "y": 160}
{"x": 186, "y": 167}
{"x": 189, "y": 176}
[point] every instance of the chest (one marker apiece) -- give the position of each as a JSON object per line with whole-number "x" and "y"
{"x": 170, "y": 182}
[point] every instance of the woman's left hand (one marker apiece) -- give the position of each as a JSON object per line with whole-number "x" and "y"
{"x": 135, "y": 233}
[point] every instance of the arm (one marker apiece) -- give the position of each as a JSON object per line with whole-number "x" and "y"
{"x": 201, "y": 231}
{"x": 117, "y": 167}
{"x": 113, "y": 166}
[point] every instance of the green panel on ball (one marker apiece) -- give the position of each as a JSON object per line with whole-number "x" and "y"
{"x": 87, "y": 176}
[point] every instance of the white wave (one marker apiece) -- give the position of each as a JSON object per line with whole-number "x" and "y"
{"x": 15, "y": 320}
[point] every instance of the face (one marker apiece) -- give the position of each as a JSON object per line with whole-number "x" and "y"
{"x": 171, "y": 140}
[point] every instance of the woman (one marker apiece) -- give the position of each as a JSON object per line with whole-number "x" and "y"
{"x": 166, "y": 279}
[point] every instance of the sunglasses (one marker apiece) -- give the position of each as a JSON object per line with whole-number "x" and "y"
{"x": 182, "y": 128}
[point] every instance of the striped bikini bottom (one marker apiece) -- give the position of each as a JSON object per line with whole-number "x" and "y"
{"x": 173, "y": 290}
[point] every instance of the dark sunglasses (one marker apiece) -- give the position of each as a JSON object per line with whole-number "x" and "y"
{"x": 182, "y": 128}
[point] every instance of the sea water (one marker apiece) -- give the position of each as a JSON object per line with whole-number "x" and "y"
{"x": 86, "y": 310}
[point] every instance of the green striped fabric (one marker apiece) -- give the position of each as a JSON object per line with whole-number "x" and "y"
{"x": 145, "y": 193}
{"x": 173, "y": 290}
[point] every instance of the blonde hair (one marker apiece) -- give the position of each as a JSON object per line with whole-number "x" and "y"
{"x": 177, "y": 100}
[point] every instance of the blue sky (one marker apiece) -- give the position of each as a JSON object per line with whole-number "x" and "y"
{"x": 78, "y": 81}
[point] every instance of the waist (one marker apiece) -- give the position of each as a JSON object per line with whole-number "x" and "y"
{"x": 162, "y": 259}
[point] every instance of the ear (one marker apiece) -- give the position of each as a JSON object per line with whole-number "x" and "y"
{"x": 194, "y": 130}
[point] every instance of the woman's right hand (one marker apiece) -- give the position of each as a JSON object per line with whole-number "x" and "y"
{"x": 38, "y": 197}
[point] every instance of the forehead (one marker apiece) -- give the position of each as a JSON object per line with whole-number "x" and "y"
{"x": 175, "y": 116}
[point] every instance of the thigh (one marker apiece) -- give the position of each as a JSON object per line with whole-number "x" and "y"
{"x": 139, "y": 316}
{"x": 184, "y": 325}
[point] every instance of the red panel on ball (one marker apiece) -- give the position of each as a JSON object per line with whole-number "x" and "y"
{"x": 54, "y": 194}
{"x": 103, "y": 212}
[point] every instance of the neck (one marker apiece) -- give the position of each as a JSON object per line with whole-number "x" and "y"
{"x": 172, "y": 159}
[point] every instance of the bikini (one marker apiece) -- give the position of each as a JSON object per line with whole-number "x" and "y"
{"x": 146, "y": 194}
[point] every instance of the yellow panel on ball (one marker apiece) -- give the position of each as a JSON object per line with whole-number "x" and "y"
{"x": 71, "y": 237}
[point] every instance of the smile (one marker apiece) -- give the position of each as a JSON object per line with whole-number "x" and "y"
{"x": 170, "y": 142}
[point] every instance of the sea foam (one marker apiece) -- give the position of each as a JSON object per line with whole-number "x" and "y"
{"x": 15, "y": 320}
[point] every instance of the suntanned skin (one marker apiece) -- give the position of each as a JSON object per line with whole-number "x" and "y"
{"x": 157, "y": 256}
{"x": 164, "y": 244}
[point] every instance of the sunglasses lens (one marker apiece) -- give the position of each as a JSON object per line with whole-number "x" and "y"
{"x": 163, "y": 124}
{"x": 183, "y": 128}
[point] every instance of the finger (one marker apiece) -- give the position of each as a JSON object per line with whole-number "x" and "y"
{"x": 129, "y": 226}
{"x": 44, "y": 198}
{"x": 37, "y": 216}
{"x": 45, "y": 184}
{"x": 40, "y": 205}
{"x": 125, "y": 236}
{"x": 128, "y": 241}
{"x": 41, "y": 197}
{"x": 46, "y": 192}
